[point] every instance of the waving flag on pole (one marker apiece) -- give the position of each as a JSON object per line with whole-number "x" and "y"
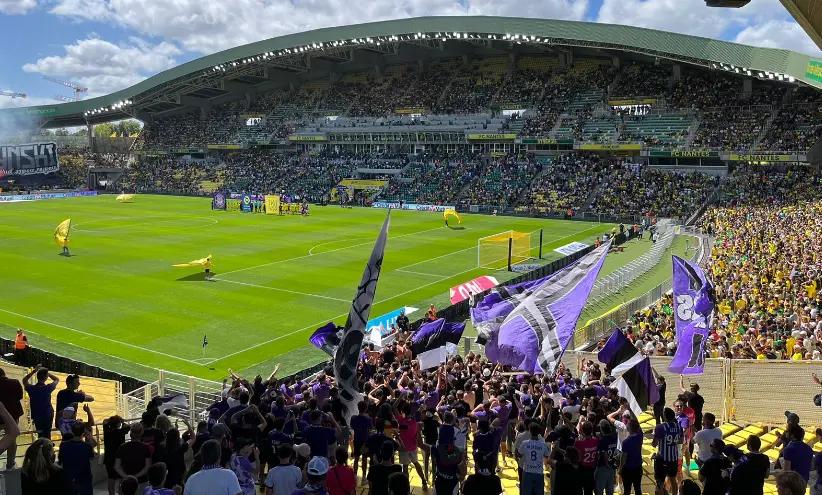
{"x": 326, "y": 338}
{"x": 536, "y": 332}
{"x": 619, "y": 354}
{"x": 348, "y": 352}
{"x": 61, "y": 233}
{"x": 202, "y": 263}
{"x": 435, "y": 341}
{"x": 694, "y": 302}
{"x": 638, "y": 386}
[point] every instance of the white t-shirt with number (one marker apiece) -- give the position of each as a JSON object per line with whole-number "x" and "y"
{"x": 534, "y": 452}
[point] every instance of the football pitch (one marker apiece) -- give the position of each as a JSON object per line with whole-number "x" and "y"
{"x": 119, "y": 304}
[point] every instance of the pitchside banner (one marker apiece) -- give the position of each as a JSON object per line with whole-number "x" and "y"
{"x": 29, "y": 159}
{"x": 245, "y": 203}
{"x": 476, "y": 286}
{"x": 272, "y": 204}
{"x": 218, "y": 202}
{"x": 569, "y": 249}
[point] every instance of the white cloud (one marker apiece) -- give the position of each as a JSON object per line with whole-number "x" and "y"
{"x": 754, "y": 22}
{"x": 779, "y": 34}
{"x": 206, "y": 27}
{"x": 104, "y": 67}
{"x": 6, "y": 102}
{"x": 16, "y": 7}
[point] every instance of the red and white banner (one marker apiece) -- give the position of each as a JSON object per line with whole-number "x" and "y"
{"x": 464, "y": 291}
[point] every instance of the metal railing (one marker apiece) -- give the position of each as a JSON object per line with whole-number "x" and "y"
{"x": 198, "y": 394}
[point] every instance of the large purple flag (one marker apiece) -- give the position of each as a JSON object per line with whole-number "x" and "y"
{"x": 693, "y": 310}
{"x": 489, "y": 313}
{"x": 533, "y": 336}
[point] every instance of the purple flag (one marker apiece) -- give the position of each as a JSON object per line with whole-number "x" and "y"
{"x": 435, "y": 341}
{"x": 638, "y": 386}
{"x": 618, "y": 354}
{"x": 326, "y": 338}
{"x": 489, "y": 313}
{"x": 693, "y": 309}
{"x": 533, "y": 336}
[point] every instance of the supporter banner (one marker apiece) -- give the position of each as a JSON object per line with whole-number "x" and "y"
{"x": 272, "y": 204}
{"x": 538, "y": 317}
{"x": 38, "y": 196}
{"x": 610, "y": 147}
{"x": 490, "y": 137}
{"x": 571, "y": 248}
{"x": 767, "y": 157}
{"x": 308, "y": 137}
{"x": 395, "y": 205}
{"x": 225, "y": 147}
{"x": 369, "y": 184}
{"x": 409, "y": 110}
{"x": 624, "y": 102}
{"x": 685, "y": 154}
{"x": 29, "y": 159}
{"x": 218, "y": 201}
{"x": 814, "y": 70}
{"x": 693, "y": 310}
{"x": 476, "y": 286}
{"x": 638, "y": 386}
{"x": 619, "y": 354}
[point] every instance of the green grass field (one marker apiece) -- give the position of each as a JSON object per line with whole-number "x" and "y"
{"x": 119, "y": 304}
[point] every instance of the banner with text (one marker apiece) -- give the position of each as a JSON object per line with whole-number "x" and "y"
{"x": 272, "y": 204}
{"x": 29, "y": 159}
{"x": 466, "y": 290}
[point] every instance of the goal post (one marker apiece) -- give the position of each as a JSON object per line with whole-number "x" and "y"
{"x": 501, "y": 250}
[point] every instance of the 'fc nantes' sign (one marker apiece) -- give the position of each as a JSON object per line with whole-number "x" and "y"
{"x": 490, "y": 137}
{"x": 685, "y": 154}
{"x": 814, "y": 70}
{"x": 735, "y": 157}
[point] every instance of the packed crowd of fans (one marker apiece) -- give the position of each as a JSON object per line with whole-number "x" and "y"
{"x": 502, "y": 182}
{"x": 166, "y": 174}
{"x": 631, "y": 189}
{"x": 454, "y": 428}
{"x": 434, "y": 179}
{"x": 567, "y": 185}
{"x": 766, "y": 268}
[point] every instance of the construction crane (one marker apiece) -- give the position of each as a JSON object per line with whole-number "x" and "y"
{"x": 12, "y": 94}
{"x": 63, "y": 98}
{"x": 79, "y": 91}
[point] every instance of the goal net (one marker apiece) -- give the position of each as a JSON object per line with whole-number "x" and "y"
{"x": 493, "y": 251}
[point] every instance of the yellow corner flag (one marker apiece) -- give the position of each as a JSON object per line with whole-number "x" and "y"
{"x": 61, "y": 233}
{"x": 201, "y": 263}
{"x": 451, "y": 213}
{"x": 125, "y": 198}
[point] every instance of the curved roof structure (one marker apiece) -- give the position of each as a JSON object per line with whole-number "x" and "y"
{"x": 278, "y": 62}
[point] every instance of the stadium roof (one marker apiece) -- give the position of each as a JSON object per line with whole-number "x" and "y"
{"x": 808, "y": 13}
{"x": 278, "y": 62}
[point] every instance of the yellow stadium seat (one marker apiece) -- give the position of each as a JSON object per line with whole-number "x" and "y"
{"x": 729, "y": 429}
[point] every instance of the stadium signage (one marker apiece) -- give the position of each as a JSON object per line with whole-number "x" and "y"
{"x": 546, "y": 141}
{"x": 685, "y": 154}
{"x": 29, "y": 159}
{"x": 466, "y": 290}
{"x": 225, "y": 147}
{"x": 571, "y": 248}
{"x": 409, "y": 111}
{"x": 308, "y": 137}
{"x": 396, "y": 205}
{"x": 814, "y": 70}
{"x": 370, "y": 184}
{"x": 736, "y": 157}
{"x": 490, "y": 137}
{"x": 610, "y": 147}
{"x": 39, "y": 196}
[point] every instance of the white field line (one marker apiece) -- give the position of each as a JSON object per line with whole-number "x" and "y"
{"x": 403, "y": 268}
{"x": 88, "y": 334}
{"x": 419, "y": 273}
{"x": 315, "y": 246}
{"x": 277, "y": 262}
{"x": 278, "y": 289}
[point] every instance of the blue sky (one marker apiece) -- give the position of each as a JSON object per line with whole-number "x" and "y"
{"x": 109, "y": 44}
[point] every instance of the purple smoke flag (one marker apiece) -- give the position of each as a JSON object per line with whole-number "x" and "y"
{"x": 693, "y": 311}
{"x": 326, "y": 339}
{"x": 348, "y": 352}
{"x": 536, "y": 332}
{"x": 638, "y": 386}
{"x": 619, "y": 354}
{"x": 435, "y": 341}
